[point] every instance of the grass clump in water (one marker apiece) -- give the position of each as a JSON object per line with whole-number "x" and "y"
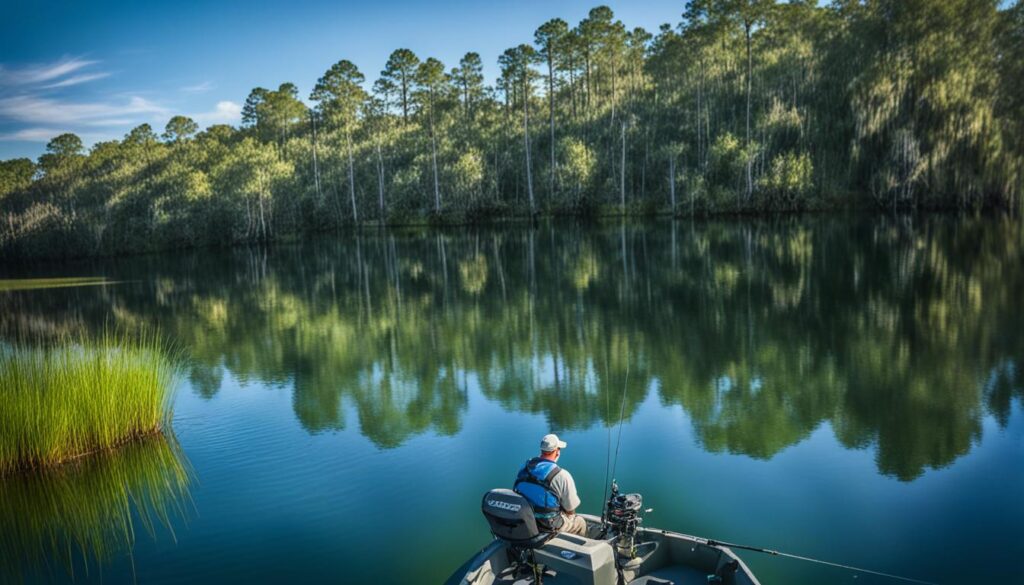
{"x": 62, "y": 401}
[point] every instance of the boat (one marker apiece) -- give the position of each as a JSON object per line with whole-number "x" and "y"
{"x": 617, "y": 550}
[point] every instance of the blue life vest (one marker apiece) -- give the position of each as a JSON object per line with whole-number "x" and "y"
{"x": 534, "y": 483}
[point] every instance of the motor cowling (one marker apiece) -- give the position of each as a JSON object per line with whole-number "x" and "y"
{"x": 622, "y": 517}
{"x": 624, "y": 508}
{"x": 511, "y": 518}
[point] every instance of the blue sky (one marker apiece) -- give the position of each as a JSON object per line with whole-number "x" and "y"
{"x": 99, "y": 68}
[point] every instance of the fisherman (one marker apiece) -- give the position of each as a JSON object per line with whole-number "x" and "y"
{"x": 551, "y": 490}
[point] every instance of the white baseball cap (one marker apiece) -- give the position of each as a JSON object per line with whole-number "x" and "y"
{"x": 551, "y": 442}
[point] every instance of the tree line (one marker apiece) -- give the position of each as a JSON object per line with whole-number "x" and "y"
{"x": 743, "y": 106}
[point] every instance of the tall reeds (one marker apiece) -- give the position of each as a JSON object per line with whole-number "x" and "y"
{"x": 64, "y": 400}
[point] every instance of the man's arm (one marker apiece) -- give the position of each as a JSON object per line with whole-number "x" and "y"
{"x": 568, "y": 497}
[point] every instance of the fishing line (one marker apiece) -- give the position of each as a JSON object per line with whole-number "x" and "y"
{"x": 608, "y": 450}
{"x": 767, "y": 551}
{"x": 622, "y": 410}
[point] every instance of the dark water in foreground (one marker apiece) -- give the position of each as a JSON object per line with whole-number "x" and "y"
{"x": 849, "y": 389}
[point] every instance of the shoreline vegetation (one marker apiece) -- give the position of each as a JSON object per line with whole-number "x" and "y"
{"x": 13, "y": 284}
{"x": 77, "y": 397}
{"x": 738, "y": 107}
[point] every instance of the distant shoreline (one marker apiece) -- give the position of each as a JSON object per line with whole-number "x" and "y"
{"x": 499, "y": 221}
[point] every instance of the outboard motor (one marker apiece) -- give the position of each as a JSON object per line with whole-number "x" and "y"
{"x": 622, "y": 517}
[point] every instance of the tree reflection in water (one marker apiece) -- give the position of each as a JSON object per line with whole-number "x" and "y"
{"x": 901, "y": 335}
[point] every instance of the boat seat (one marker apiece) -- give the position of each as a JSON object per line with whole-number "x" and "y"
{"x": 511, "y": 519}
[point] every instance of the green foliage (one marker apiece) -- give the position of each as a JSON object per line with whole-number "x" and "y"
{"x": 577, "y": 170}
{"x": 81, "y": 396}
{"x": 252, "y": 174}
{"x": 65, "y": 145}
{"x": 274, "y": 115}
{"x": 761, "y": 105}
{"x": 62, "y": 154}
{"x": 468, "y": 172}
{"x": 468, "y": 79}
{"x": 1010, "y": 101}
{"x": 180, "y": 128}
{"x": 339, "y": 93}
{"x": 788, "y": 180}
{"x": 924, "y": 106}
{"x": 142, "y": 135}
{"x": 727, "y": 161}
{"x": 16, "y": 175}
{"x": 398, "y": 76}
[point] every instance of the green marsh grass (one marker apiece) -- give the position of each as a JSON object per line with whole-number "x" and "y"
{"x": 62, "y": 401}
{"x": 79, "y": 516}
{"x": 37, "y": 283}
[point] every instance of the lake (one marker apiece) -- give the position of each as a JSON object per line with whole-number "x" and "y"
{"x": 844, "y": 388}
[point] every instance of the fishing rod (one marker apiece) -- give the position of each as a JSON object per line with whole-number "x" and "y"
{"x": 622, "y": 411}
{"x": 608, "y": 451}
{"x": 775, "y": 553}
{"x": 618, "y": 443}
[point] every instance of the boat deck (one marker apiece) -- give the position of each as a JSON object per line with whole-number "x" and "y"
{"x": 679, "y": 575}
{"x": 676, "y": 574}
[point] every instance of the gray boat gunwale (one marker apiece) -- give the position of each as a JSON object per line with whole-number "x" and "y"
{"x": 477, "y": 560}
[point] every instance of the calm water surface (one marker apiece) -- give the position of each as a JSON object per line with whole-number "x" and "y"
{"x": 849, "y": 389}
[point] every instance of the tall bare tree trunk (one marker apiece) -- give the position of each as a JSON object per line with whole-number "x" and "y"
{"x": 750, "y": 70}
{"x": 433, "y": 154}
{"x": 316, "y": 165}
{"x": 622, "y": 177}
{"x": 444, "y": 265}
{"x": 622, "y": 239}
{"x": 336, "y": 189}
{"x": 351, "y": 179}
{"x": 672, "y": 182}
{"x": 380, "y": 181}
{"x": 587, "y": 83}
{"x": 700, "y": 93}
{"x": 263, "y": 223}
{"x": 551, "y": 116}
{"x": 405, "y": 99}
{"x": 614, "y": 76}
{"x": 526, "y": 140}
{"x": 643, "y": 166}
{"x": 248, "y": 219}
{"x": 572, "y": 84}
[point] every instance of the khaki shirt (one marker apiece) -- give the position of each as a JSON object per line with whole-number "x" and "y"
{"x": 564, "y": 487}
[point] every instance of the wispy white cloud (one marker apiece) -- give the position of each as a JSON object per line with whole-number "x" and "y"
{"x": 109, "y": 122}
{"x": 77, "y": 79}
{"x": 36, "y": 104}
{"x": 40, "y": 73}
{"x": 44, "y": 135}
{"x": 198, "y": 88}
{"x": 40, "y": 110}
{"x": 226, "y": 112}
{"x": 31, "y": 135}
